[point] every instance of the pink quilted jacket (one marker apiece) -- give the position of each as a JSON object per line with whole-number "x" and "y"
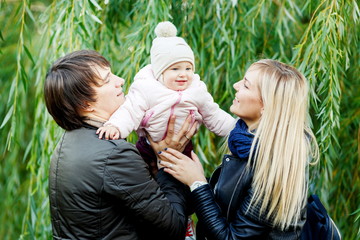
{"x": 149, "y": 104}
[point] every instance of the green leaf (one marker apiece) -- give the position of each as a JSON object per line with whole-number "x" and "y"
{"x": 30, "y": 14}
{"x": 7, "y": 117}
{"x": 29, "y": 54}
{"x": 95, "y": 18}
{"x": 96, "y": 4}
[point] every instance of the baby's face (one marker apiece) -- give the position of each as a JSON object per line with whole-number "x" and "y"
{"x": 178, "y": 76}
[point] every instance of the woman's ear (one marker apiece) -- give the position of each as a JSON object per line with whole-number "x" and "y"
{"x": 88, "y": 107}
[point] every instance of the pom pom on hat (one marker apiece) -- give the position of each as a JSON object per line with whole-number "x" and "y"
{"x": 165, "y": 29}
{"x": 168, "y": 49}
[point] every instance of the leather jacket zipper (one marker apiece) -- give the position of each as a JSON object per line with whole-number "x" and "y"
{"x": 233, "y": 193}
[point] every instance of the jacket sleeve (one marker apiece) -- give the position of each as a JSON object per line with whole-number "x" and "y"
{"x": 215, "y": 119}
{"x": 129, "y": 115}
{"x": 159, "y": 204}
{"x": 216, "y": 226}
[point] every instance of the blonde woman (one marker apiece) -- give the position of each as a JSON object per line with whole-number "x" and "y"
{"x": 260, "y": 189}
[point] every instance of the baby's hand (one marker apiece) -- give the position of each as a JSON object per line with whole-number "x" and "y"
{"x": 110, "y": 131}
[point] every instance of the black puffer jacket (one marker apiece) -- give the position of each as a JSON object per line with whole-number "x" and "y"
{"x": 221, "y": 207}
{"x": 103, "y": 190}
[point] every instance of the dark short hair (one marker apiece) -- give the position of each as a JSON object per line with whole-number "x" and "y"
{"x": 69, "y": 86}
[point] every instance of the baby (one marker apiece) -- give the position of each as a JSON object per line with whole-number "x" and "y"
{"x": 168, "y": 86}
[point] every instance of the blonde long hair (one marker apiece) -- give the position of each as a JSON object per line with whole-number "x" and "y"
{"x": 283, "y": 143}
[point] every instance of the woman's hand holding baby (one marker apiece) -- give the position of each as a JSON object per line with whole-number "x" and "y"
{"x": 183, "y": 168}
{"x": 176, "y": 141}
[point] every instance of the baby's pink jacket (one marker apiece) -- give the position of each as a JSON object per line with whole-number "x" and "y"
{"x": 149, "y": 105}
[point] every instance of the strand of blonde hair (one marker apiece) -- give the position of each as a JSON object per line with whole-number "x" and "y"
{"x": 281, "y": 145}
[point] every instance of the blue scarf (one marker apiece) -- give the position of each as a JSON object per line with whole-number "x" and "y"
{"x": 240, "y": 140}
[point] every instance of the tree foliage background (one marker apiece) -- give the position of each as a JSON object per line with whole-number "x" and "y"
{"x": 320, "y": 37}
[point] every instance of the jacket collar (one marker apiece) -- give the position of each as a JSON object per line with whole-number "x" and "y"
{"x": 93, "y": 123}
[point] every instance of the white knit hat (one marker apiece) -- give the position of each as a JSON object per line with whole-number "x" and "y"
{"x": 168, "y": 49}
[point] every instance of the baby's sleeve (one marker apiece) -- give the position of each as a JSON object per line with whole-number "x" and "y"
{"x": 129, "y": 115}
{"x": 214, "y": 118}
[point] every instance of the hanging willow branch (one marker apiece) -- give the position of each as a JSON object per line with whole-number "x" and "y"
{"x": 323, "y": 67}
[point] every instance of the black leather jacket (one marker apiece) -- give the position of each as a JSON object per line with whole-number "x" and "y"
{"x": 103, "y": 190}
{"x": 221, "y": 207}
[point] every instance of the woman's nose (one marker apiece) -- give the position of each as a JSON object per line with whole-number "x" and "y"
{"x": 236, "y": 85}
{"x": 119, "y": 81}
